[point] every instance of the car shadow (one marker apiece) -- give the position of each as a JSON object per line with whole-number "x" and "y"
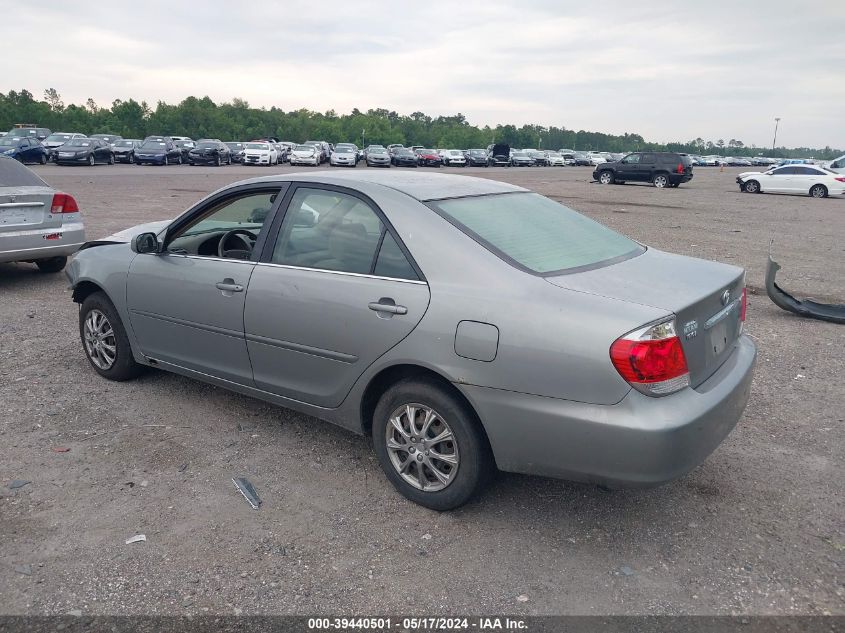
{"x": 15, "y": 274}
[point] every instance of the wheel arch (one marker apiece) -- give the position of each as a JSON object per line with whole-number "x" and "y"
{"x": 818, "y": 184}
{"x": 393, "y": 374}
{"x": 84, "y": 289}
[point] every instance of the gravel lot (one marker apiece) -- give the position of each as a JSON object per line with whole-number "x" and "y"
{"x": 757, "y": 529}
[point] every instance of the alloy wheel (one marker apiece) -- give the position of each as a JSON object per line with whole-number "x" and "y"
{"x": 422, "y": 447}
{"x": 100, "y": 343}
{"x": 660, "y": 181}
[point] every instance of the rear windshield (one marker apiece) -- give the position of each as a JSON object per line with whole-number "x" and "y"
{"x": 13, "y": 174}
{"x": 535, "y": 233}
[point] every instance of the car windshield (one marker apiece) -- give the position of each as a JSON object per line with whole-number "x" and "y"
{"x": 343, "y": 150}
{"x": 9, "y": 142}
{"x": 124, "y": 144}
{"x": 188, "y": 144}
{"x": 154, "y": 145}
{"x": 426, "y": 151}
{"x": 377, "y": 150}
{"x": 55, "y": 138}
{"x": 13, "y": 174}
{"x": 78, "y": 142}
{"x": 404, "y": 152}
{"x": 455, "y": 152}
{"x": 206, "y": 145}
{"x": 235, "y": 145}
{"x": 536, "y": 233}
{"x": 263, "y": 146}
{"x": 304, "y": 148}
{"x": 521, "y": 154}
{"x": 554, "y": 154}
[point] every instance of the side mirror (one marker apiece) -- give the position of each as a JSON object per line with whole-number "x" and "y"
{"x": 145, "y": 243}
{"x": 304, "y": 219}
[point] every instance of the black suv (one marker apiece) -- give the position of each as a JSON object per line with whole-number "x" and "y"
{"x": 662, "y": 169}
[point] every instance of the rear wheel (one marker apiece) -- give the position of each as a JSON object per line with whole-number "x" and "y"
{"x": 752, "y": 186}
{"x": 217, "y": 161}
{"x": 660, "y": 181}
{"x": 51, "y": 265}
{"x": 111, "y": 159}
{"x": 131, "y": 158}
{"x": 818, "y": 191}
{"x": 104, "y": 339}
{"x": 430, "y": 446}
{"x": 43, "y": 159}
{"x": 91, "y": 161}
{"x": 166, "y": 162}
{"x": 606, "y": 177}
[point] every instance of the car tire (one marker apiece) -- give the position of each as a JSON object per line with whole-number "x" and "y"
{"x": 122, "y": 366}
{"x": 111, "y": 159}
{"x": 660, "y": 181}
{"x": 751, "y": 186}
{"x": 51, "y": 265}
{"x": 179, "y": 160}
{"x": 91, "y": 161}
{"x": 166, "y": 162}
{"x": 606, "y": 177}
{"x": 131, "y": 158}
{"x": 467, "y": 450}
{"x": 818, "y": 191}
{"x": 217, "y": 162}
{"x": 43, "y": 159}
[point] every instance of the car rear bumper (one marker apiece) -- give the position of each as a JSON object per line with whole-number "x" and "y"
{"x": 27, "y": 245}
{"x": 641, "y": 441}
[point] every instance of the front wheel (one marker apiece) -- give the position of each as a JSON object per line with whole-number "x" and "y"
{"x": 111, "y": 159}
{"x": 818, "y": 191}
{"x": 43, "y": 159}
{"x": 91, "y": 161}
{"x": 51, "y": 265}
{"x": 166, "y": 161}
{"x": 104, "y": 339}
{"x": 430, "y": 446}
{"x": 752, "y": 186}
{"x": 606, "y": 177}
{"x": 131, "y": 158}
{"x": 660, "y": 181}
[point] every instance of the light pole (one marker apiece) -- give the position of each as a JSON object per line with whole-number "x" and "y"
{"x": 362, "y": 139}
{"x": 775, "y": 140}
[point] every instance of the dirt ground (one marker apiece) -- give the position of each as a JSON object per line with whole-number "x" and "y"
{"x": 756, "y": 529}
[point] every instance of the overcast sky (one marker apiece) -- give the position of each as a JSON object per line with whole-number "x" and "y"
{"x": 666, "y": 70}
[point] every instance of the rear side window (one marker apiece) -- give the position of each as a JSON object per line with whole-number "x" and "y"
{"x": 648, "y": 159}
{"x": 13, "y": 174}
{"x": 392, "y": 262}
{"x": 537, "y": 234}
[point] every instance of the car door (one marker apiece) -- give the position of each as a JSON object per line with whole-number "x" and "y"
{"x": 100, "y": 151}
{"x": 645, "y": 170}
{"x": 334, "y": 291}
{"x": 780, "y": 181}
{"x": 186, "y": 303}
{"x": 628, "y": 166}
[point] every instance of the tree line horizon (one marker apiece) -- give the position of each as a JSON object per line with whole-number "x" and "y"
{"x": 238, "y": 121}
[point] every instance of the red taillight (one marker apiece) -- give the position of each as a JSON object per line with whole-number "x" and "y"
{"x": 652, "y": 359}
{"x": 680, "y": 168}
{"x": 840, "y": 179}
{"x": 64, "y": 203}
{"x": 743, "y": 305}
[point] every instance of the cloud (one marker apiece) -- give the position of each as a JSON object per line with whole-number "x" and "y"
{"x": 670, "y": 72}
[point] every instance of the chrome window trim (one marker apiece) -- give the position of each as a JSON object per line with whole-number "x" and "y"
{"x": 341, "y": 272}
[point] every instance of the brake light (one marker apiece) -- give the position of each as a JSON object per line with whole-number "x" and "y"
{"x": 840, "y": 179}
{"x": 680, "y": 168}
{"x": 743, "y": 305}
{"x": 63, "y": 203}
{"x": 652, "y": 359}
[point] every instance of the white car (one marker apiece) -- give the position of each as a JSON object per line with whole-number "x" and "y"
{"x": 453, "y": 158}
{"x": 305, "y": 155}
{"x": 817, "y": 182}
{"x": 596, "y": 159}
{"x": 555, "y": 159}
{"x": 837, "y": 165}
{"x": 344, "y": 156}
{"x": 260, "y": 154}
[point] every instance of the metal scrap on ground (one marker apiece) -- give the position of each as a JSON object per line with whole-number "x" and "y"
{"x": 835, "y": 313}
{"x": 246, "y": 489}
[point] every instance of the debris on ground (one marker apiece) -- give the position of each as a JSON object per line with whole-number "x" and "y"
{"x": 522, "y": 598}
{"x": 60, "y": 449}
{"x": 26, "y": 570}
{"x": 183, "y": 467}
{"x": 138, "y": 538}
{"x": 426, "y": 537}
{"x": 626, "y": 571}
{"x": 247, "y": 490}
{"x": 18, "y": 483}
{"x": 835, "y": 313}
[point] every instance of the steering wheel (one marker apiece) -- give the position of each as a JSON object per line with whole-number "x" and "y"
{"x": 236, "y": 253}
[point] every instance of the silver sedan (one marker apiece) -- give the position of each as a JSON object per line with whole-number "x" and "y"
{"x": 37, "y": 223}
{"x": 465, "y": 324}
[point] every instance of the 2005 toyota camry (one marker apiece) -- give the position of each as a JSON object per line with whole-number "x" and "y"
{"x": 466, "y": 324}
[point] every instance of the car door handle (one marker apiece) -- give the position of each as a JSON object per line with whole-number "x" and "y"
{"x": 229, "y": 285}
{"x": 382, "y": 305}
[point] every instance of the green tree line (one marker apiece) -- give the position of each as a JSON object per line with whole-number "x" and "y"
{"x": 236, "y": 120}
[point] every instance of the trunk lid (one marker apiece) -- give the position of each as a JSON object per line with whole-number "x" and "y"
{"x": 24, "y": 208}
{"x": 705, "y": 297}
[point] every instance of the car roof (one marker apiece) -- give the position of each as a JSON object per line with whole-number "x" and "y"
{"x": 422, "y": 187}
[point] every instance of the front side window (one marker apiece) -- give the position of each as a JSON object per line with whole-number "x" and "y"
{"x": 335, "y": 231}
{"x": 535, "y": 233}
{"x": 202, "y": 236}
{"x": 631, "y": 159}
